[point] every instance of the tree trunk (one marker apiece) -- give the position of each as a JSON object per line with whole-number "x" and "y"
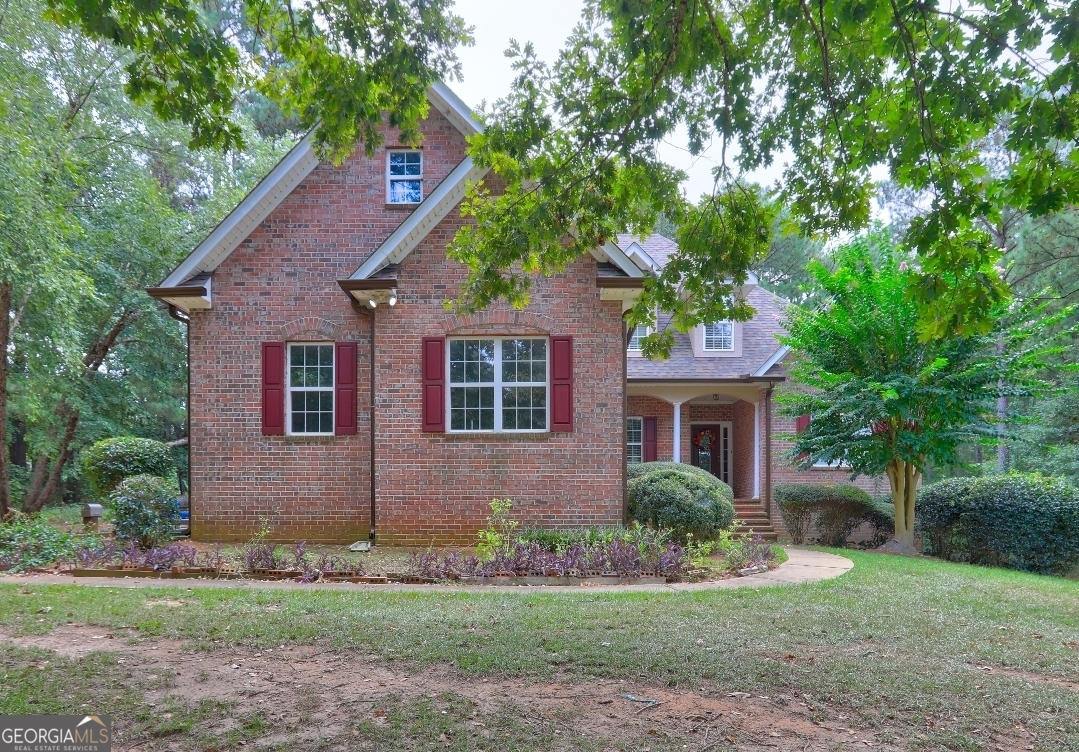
{"x": 904, "y": 478}
{"x": 5, "y": 337}
{"x": 34, "y": 503}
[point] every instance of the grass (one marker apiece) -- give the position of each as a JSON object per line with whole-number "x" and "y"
{"x": 896, "y": 643}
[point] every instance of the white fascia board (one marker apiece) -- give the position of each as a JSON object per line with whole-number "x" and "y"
{"x": 280, "y": 182}
{"x": 423, "y": 219}
{"x": 449, "y": 104}
{"x": 617, "y": 256}
{"x": 777, "y": 356}
{"x": 241, "y": 221}
{"x": 641, "y": 257}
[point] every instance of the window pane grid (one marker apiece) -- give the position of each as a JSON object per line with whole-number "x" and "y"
{"x": 719, "y": 336}
{"x": 310, "y": 384}
{"x": 516, "y": 372}
{"x": 634, "y": 440}
{"x": 405, "y": 173}
{"x": 639, "y": 332}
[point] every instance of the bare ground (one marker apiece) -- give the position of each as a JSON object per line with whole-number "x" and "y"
{"x": 307, "y": 693}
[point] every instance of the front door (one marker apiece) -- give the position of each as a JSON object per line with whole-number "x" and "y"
{"x": 711, "y": 449}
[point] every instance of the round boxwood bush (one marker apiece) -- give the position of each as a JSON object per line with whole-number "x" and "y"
{"x": 1019, "y": 521}
{"x": 684, "y": 499}
{"x": 109, "y": 461}
{"x": 836, "y": 510}
{"x": 143, "y": 509}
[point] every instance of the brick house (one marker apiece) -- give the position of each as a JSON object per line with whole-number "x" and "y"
{"x": 332, "y": 394}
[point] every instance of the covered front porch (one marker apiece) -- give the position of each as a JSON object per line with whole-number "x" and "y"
{"x": 723, "y": 426}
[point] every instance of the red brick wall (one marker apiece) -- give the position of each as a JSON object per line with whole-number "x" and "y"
{"x": 743, "y": 449}
{"x": 281, "y": 284}
{"x": 438, "y": 487}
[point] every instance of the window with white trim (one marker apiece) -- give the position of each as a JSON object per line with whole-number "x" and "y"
{"x": 498, "y": 384}
{"x": 310, "y": 389}
{"x": 639, "y": 332}
{"x": 404, "y": 177}
{"x": 719, "y": 336}
{"x": 634, "y": 440}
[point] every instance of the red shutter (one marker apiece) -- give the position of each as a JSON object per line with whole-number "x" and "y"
{"x": 434, "y": 384}
{"x": 273, "y": 388}
{"x": 649, "y": 439}
{"x": 344, "y": 388}
{"x": 561, "y": 383}
{"x": 801, "y": 423}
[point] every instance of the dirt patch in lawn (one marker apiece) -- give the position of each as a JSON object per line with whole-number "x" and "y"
{"x": 1029, "y": 676}
{"x": 309, "y": 693}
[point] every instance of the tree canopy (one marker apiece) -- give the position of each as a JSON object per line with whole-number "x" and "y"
{"x": 338, "y": 65}
{"x": 880, "y": 400}
{"x": 832, "y": 90}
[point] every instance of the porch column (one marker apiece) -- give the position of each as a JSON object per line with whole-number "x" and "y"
{"x": 677, "y": 455}
{"x": 756, "y": 450}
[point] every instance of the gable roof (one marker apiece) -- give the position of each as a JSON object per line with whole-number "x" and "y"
{"x": 279, "y": 183}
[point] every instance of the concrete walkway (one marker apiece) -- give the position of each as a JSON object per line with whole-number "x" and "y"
{"x": 802, "y": 566}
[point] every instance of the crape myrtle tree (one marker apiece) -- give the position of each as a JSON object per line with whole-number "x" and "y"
{"x": 832, "y": 90}
{"x": 881, "y": 400}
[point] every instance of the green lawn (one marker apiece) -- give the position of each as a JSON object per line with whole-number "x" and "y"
{"x": 898, "y": 647}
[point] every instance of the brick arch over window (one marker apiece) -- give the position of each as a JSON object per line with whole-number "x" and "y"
{"x": 312, "y": 328}
{"x": 499, "y": 322}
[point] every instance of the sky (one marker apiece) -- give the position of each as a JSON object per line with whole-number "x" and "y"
{"x": 547, "y": 23}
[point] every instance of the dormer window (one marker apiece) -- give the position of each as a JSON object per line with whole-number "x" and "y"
{"x": 639, "y": 332}
{"x": 404, "y": 177}
{"x": 719, "y": 337}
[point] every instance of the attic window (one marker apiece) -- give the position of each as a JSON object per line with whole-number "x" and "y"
{"x": 719, "y": 336}
{"x": 404, "y": 177}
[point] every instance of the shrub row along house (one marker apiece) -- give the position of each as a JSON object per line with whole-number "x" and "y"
{"x": 333, "y": 395}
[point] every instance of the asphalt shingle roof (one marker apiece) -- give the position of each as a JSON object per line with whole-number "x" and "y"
{"x": 759, "y": 341}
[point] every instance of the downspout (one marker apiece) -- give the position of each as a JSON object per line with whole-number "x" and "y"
{"x": 370, "y": 313}
{"x": 185, "y": 319}
{"x": 768, "y": 451}
{"x": 625, "y": 412}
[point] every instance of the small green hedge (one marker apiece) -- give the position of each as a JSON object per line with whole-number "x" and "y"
{"x": 143, "y": 509}
{"x": 1025, "y": 522}
{"x": 109, "y": 461}
{"x": 685, "y": 499}
{"x": 837, "y": 510}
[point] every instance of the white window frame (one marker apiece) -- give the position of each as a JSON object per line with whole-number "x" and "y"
{"x": 704, "y": 338}
{"x": 289, "y": 389}
{"x": 633, "y": 333}
{"x": 634, "y": 443}
{"x": 391, "y": 179}
{"x": 497, "y": 384}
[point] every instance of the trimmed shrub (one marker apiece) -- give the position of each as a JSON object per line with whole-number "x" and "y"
{"x": 684, "y": 499}
{"x": 1019, "y": 521}
{"x": 639, "y": 469}
{"x": 109, "y": 461}
{"x": 836, "y": 510}
{"x": 143, "y": 509}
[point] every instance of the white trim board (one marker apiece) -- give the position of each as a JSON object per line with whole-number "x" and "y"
{"x": 280, "y": 182}
{"x": 777, "y": 356}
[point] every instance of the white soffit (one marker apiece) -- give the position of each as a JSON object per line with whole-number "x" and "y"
{"x": 777, "y": 356}
{"x": 280, "y": 182}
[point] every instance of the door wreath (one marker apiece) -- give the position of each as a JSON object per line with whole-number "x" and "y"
{"x": 705, "y": 439}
